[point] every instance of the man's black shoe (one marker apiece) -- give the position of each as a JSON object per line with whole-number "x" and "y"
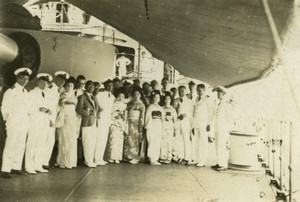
{"x": 215, "y": 166}
{"x": 6, "y": 175}
{"x": 18, "y": 172}
{"x": 47, "y": 167}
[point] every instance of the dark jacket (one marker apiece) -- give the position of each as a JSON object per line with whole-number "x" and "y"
{"x": 88, "y": 109}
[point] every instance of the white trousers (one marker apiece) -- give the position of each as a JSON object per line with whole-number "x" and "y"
{"x": 201, "y": 146}
{"x": 49, "y": 144}
{"x": 222, "y": 138}
{"x": 89, "y": 144}
{"x": 14, "y": 146}
{"x": 186, "y": 134}
{"x": 101, "y": 142}
{"x": 35, "y": 147}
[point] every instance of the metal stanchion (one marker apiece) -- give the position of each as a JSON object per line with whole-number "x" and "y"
{"x": 273, "y": 171}
{"x": 291, "y": 163}
{"x": 281, "y": 193}
{"x": 269, "y": 141}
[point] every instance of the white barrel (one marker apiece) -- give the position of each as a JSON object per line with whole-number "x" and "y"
{"x": 244, "y": 150}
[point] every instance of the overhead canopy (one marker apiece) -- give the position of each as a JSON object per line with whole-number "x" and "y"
{"x": 221, "y": 42}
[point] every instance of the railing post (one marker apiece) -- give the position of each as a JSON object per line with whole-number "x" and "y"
{"x": 290, "y": 164}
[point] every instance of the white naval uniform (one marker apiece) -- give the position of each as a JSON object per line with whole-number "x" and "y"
{"x": 203, "y": 116}
{"x": 154, "y": 120}
{"x": 105, "y": 100}
{"x": 185, "y": 125}
{"x": 54, "y": 95}
{"x": 122, "y": 63}
{"x": 222, "y": 123}
{"x": 39, "y": 124}
{"x": 15, "y": 110}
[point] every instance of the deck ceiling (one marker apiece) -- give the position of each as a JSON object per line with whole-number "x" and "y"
{"x": 221, "y": 42}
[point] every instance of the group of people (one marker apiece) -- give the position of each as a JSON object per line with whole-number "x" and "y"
{"x": 117, "y": 120}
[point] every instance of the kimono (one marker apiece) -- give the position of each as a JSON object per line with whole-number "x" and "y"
{"x": 67, "y": 155}
{"x": 168, "y": 133}
{"x": 136, "y": 114}
{"x": 117, "y": 129}
{"x": 154, "y": 125}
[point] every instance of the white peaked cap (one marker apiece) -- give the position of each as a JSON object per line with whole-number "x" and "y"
{"x": 62, "y": 73}
{"x": 23, "y": 70}
{"x": 45, "y": 76}
{"x": 220, "y": 89}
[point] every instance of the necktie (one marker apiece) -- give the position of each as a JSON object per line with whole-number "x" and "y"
{"x": 181, "y": 100}
{"x": 23, "y": 90}
{"x": 43, "y": 94}
{"x": 109, "y": 95}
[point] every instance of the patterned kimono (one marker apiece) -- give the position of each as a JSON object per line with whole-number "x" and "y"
{"x": 67, "y": 154}
{"x": 168, "y": 133}
{"x": 154, "y": 125}
{"x": 136, "y": 113}
{"x": 117, "y": 129}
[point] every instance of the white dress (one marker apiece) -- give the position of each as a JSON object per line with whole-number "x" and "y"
{"x": 154, "y": 125}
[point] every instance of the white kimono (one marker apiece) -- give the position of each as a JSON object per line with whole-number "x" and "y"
{"x": 154, "y": 120}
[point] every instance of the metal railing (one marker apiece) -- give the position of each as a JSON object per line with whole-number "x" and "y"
{"x": 277, "y": 142}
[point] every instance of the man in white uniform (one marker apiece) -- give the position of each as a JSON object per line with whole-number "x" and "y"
{"x": 122, "y": 63}
{"x": 54, "y": 94}
{"x": 15, "y": 110}
{"x": 192, "y": 94}
{"x": 105, "y": 100}
{"x": 184, "y": 107}
{"x": 203, "y": 116}
{"x": 222, "y": 122}
{"x": 39, "y": 125}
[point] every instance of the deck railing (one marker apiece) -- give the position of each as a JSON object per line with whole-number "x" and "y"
{"x": 276, "y": 152}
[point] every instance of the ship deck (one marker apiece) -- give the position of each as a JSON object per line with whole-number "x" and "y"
{"x": 142, "y": 182}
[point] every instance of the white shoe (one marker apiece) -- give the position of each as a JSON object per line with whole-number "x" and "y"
{"x": 155, "y": 163}
{"x": 41, "y": 170}
{"x": 31, "y": 172}
{"x": 193, "y": 162}
{"x": 101, "y": 163}
{"x": 167, "y": 161}
{"x": 134, "y": 161}
{"x": 117, "y": 161}
{"x": 91, "y": 165}
{"x": 111, "y": 161}
{"x": 200, "y": 165}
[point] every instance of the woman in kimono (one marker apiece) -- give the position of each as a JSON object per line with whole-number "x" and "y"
{"x": 136, "y": 114}
{"x": 68, "y": 133}
{"x": 169, "y": 129}
{"x": 118, "y": 128}
{"x": 154, "y": 121}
